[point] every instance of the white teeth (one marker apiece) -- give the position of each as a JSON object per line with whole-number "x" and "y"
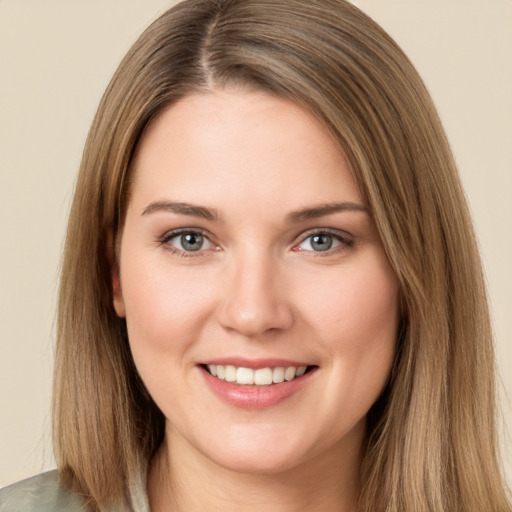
{"x": 289, "y": 373}
{"x": 278, "y": 375}
{"x": 245, "y": 376}
{"x": 230, "y": 374}
{"x": 260, "y": 377}
{"x": 301, "y": 370}
{"x": 263, "y": 377}
{"x": 221, "y": 371}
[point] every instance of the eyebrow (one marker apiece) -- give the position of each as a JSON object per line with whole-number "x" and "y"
{"x": 182, "y": 209}
{"x": 324, "y": 209}
{"x": 211, "y": 214}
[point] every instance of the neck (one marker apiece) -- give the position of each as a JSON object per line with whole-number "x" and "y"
{"x": 183, "y": 479}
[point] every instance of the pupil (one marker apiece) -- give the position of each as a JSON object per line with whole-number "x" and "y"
{"x": 321, "y": 242}
{"x": 192, "y": 241}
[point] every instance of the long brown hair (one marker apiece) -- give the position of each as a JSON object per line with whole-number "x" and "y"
{"x": 431, "y": 443}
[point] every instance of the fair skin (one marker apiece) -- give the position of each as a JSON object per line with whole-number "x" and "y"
{"x": 248, "y": 250}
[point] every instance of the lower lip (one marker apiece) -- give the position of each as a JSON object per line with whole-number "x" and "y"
{"x": 255, "y": 397}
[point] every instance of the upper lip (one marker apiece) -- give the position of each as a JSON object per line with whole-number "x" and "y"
{"x": 255, "y": 364}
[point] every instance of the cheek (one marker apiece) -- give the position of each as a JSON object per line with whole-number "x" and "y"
{"x": 360, "y": 302}
{"x": 164, "y": 307}
{"x": 164, "y": 314}
{"x": 356, "y": 323}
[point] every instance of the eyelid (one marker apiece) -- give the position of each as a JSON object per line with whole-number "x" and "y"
{"x": 169, "y": 235}
{"x": 346, "y": 240}
{"x": 180, "y": 231}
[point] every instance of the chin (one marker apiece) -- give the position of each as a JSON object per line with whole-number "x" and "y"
{"x": 256, "y": 462}
{"x": 261, "y": 449}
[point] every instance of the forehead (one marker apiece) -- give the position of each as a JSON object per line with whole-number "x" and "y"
{"x": 239, "y": 144}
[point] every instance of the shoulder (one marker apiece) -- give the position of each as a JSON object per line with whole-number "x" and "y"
{"x": 41, "y": 493}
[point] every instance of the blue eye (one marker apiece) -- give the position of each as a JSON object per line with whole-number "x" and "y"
{"x": 321, "y": 242}
{"x": 190, "y": 241}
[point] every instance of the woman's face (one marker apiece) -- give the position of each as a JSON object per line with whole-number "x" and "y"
{"x": 248, "y": 252}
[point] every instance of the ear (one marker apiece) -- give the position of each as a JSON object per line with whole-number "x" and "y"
{"x": 117, "y": 293}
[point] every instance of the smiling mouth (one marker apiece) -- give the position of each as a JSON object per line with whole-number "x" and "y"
{"x": 260, "y": 377}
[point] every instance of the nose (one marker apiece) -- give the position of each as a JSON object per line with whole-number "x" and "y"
{"x": 254, "y": 299}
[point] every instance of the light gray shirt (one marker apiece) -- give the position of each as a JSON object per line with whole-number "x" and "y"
{"x": 41, "y": 493}
{"x": 45, "y": 493}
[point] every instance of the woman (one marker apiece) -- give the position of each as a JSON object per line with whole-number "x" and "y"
{"x": 266, "y": 305}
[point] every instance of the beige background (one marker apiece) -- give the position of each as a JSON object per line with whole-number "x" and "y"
{"x": 56, "y": 58}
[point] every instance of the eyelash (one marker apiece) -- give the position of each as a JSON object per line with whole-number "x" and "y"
{"x": 344, "y": 239}
{"x": 179, "y": 252}
{"x": 345, "y": 242}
